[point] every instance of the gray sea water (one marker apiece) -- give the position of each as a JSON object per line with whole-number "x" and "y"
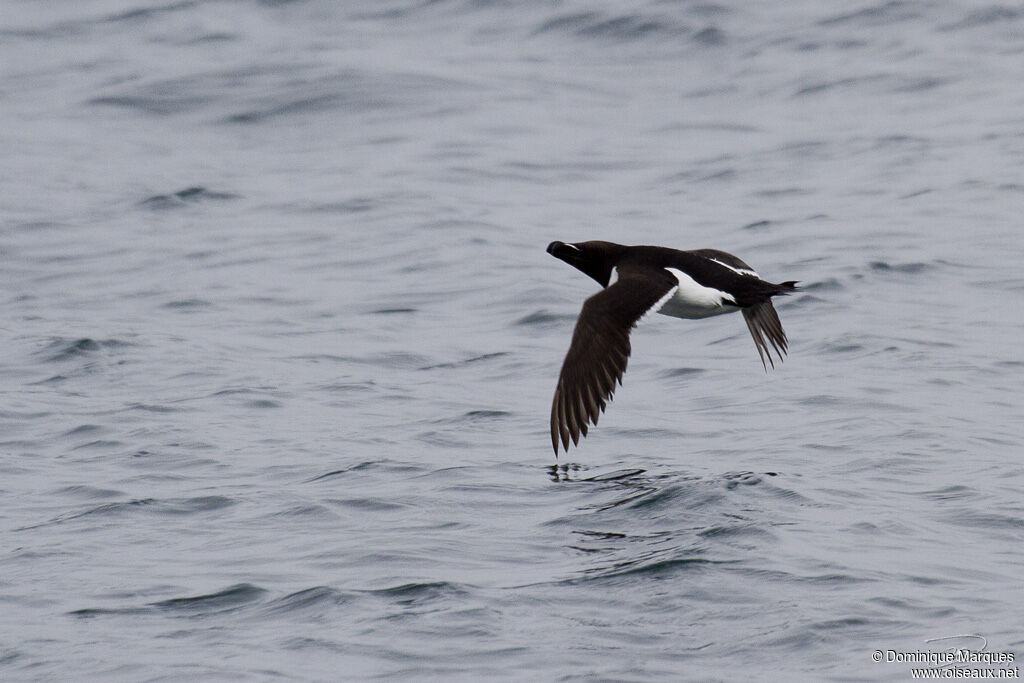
{"x": 280, "y": 339}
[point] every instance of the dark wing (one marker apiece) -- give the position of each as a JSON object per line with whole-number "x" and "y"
{"x": 600, "y": 349}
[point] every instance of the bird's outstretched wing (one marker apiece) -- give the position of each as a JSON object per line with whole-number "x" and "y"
{"x": 600, "y": 349}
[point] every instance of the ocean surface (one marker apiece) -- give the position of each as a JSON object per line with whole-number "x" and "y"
{"x": 280, "y": 339}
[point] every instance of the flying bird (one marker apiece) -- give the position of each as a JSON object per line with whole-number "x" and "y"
{"x": 636, "y": 280}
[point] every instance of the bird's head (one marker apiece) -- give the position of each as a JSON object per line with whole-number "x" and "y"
{"x": 595, "y": 258}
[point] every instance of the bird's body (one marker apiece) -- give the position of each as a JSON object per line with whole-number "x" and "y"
{"x": 636, "y": 280}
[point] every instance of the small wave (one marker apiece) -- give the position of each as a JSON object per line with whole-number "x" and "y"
{"x": 105, "y": 509}
{"x": 735, "y": 531}
{"x": 393, "y": 311}
{"x": 229, "y": 599}
{"x": 627, "y": 27}
{"x": 310, "y": 511}
{"x": 475, "y": 416}
{"x": 682, "y": 372}
{"x": 235, "y": 391}
{"x": 485, "y": 415}
{"x": 841, "y": 624}
{"x": 183, "y": 506}
{"x": 419, "y": 593}
{"x": 215, "y": 37}
{"x": 10, "y": 657}
{"x": 59, "y": 30}
{"x": 986, "y": 15}
{"x": 543, "y": 317}
{"x": 308, "y": 599}
{"x": 618, "y": 475}
{"x": 917, "y": 84}
{"x": 828, "y": 86}
{"x": 187, "y": 304}
{"x": 153, "y": 408}
{"x": 724, "y": 174}
{"x": 468, "y": 361}
{"x": 805, "y": 300}
{"x": 83, "y": 429}
{"x": 262, "y": 403}
{"x": 91, "y": 612}
{"x": 189, "y": 506}
{"x": 395, "y": 359}
{"x": 442, "y": 440}
{"x": 835, "y": 348}
{"x": 982, "y": 520}
{"x": 783, "y": 192}
{"x": 710, "y": 36}
{"x": 337, "y": 473}
{"x": 955, "y": 492}
{"x": 300, "y": 105}
{"x": 190, "y": 195}
{"x": 884, "y": 14}
{"x": 101, "y": 444}
{"x": 904, "y": 268}
{"x": 345, "y": 387}
{"x": 353, "y": 205}
{"x": 53, "y": 379}
{"x": 369, "y": 504}
{"x": 718, "y": 126}
{"x": 155, "y": 103}
{"x": 63, "y": 349}
{"x": 78, "y": 27}
{"x": 82, "y": 491}
{"x": 687, "y": 495}
{"x": 827, "y": 285}
{"x": 347, "y": 90}
{"x": 733, "y": 479}
{"x": 148, "y": 12}
{"x": 647, "y": 569}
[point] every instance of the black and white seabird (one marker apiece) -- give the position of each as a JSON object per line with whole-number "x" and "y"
{"x": 636, "y": 280}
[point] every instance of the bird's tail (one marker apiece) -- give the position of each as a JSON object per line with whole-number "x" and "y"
{"x": 787, "y": 287}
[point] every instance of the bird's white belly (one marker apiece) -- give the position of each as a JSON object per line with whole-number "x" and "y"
{"x": 693, "y": 300}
